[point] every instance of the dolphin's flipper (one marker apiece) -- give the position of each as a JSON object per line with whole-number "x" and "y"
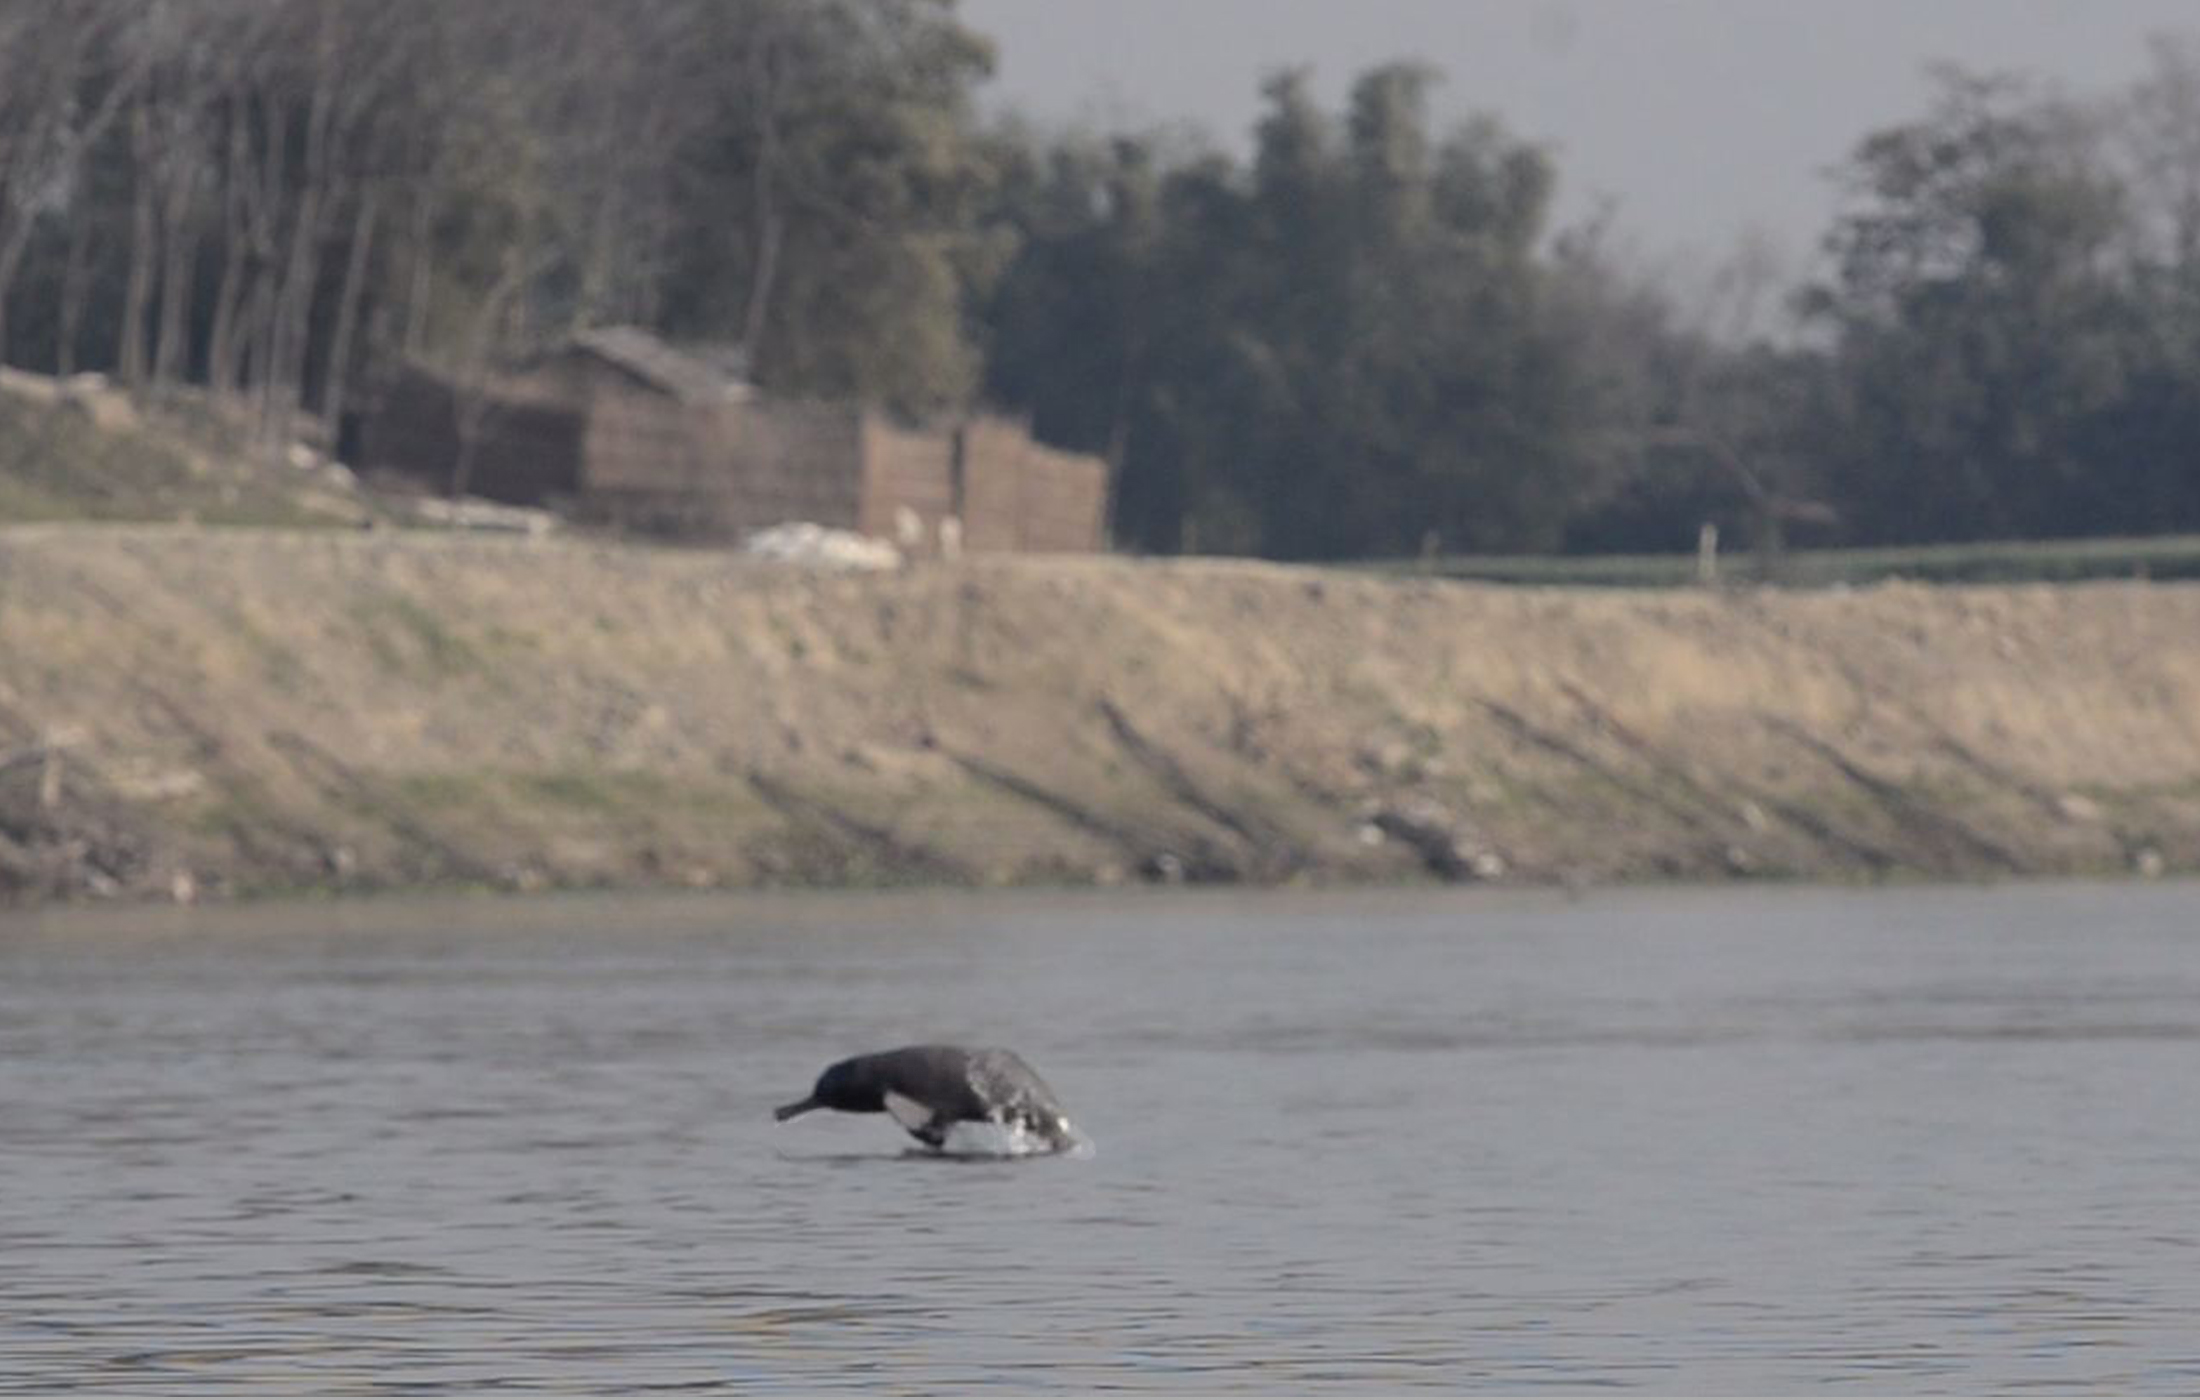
{"x": 924, "y": 1123}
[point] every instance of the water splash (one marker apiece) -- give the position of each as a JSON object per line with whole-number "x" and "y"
{"x": 967, "y": 1139}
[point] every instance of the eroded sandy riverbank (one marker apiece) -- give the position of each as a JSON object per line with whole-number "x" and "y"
{"x": 204, "y": 712}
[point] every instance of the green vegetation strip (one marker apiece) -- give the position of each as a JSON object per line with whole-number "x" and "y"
{"x": 2059, "y": 561}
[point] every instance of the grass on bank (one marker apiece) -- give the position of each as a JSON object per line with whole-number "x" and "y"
{"x": 59, "y": 462}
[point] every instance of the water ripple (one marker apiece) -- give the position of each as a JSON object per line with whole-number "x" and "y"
{"x": 1917, "y": 1141}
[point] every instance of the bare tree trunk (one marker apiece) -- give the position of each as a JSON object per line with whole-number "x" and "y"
{"x": 294, "y": 301}
{"x": 259, "y": 347}
{"x": 257, "y": 379}
{"x": 75, "y": 285}
{"x": 347, "y": 310}
{"x": 172, "y": 345}
{"x": 222, "y": 341}
{"x": 144, "y": 234}
{"x": 11, "y": 262}
{"x": 760, "y": 287}
{"x": 768, "y": 225}
{"x": 422, "y": 281}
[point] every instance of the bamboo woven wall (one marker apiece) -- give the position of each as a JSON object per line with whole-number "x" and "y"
{"x": 629, "y": 455}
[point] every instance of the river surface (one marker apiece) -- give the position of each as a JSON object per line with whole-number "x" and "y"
{"x": 1912, "y": 1140}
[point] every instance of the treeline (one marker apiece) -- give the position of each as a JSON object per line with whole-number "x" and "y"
{"x": 271, "y": 198}
{"x": 1365, "y": 339}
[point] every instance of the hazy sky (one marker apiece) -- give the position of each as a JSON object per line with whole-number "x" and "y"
{"x": 1702, "y": 118}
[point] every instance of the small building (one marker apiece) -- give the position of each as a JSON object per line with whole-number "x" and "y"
{"x": 617, "y": 427}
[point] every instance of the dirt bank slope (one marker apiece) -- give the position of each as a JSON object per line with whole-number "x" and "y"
{"x": 213, "y": 711}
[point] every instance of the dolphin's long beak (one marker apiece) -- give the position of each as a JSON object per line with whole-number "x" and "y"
{"x": 786, "y": 1111}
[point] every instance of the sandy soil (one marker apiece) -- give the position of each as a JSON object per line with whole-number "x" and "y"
{"x": 199, "y": 712}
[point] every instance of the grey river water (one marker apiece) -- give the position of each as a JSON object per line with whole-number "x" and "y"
{"x": 1761, "y": 1139}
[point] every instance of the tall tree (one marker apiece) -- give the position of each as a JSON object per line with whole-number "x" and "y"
{"x": 1336, "y": 350}
{"x": 68, "y": 70}
{"x": 832, "y": 199}
{"x": 1977, "y": 314}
